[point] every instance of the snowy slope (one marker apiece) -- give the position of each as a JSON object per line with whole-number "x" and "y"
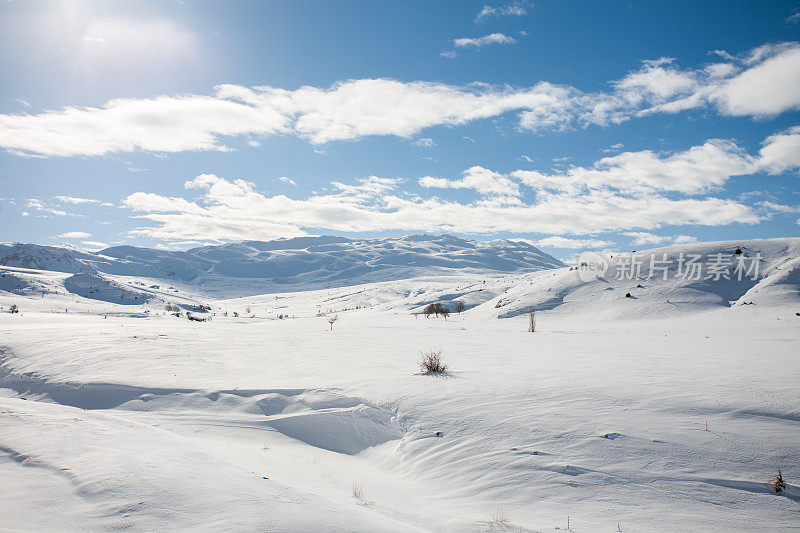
{"x": 561, "y": 291}
{"x": 671, "y": 410}
{"x": 253, "y": 267}
{"x": 284, "y": 425}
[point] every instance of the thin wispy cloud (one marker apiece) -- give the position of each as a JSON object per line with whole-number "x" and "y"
{"x": 43, "y": 209}
{"x": 643, "y": 238}
{"x": 557, "y": 241}
{"x": 514, "y": 9}
{"x": 74, "y": 200}
{"x": 486, "y": 40}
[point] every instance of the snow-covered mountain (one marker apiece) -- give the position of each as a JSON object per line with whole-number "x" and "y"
{"x": 253, "y": 267}
{"x": 673, "y": 281}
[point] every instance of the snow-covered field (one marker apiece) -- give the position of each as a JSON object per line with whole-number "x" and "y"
{"x": 669, "y": 410}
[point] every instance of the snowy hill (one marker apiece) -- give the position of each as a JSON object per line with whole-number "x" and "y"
{"x": 253, "y": 267}
{"x": 674, "y": 281}
{"x": 119, "y": 413}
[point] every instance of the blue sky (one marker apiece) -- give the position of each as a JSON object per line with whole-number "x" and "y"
{"x": 575, "y": 125}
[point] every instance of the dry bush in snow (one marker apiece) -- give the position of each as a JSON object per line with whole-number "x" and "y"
{"x": 431, "y": 362}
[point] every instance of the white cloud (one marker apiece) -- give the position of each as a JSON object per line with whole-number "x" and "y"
{"x": 233, "y": 210}
{"x": 768, "y": 88}
{"x": 74, "y": 235}
{"x": 697, "y": 169}
{"x": 483, "y": 180}
{"x": 764, "y": 82}
{"x": 781, "y": 152}
{"x": 641, "y": 238}
{"x": 514, "y": 9}
{"x": 486, "y": 40}
{"x": 563, "y": 242}
{"x": 780, "y": 208}
{"x": 425, "y": 142}
{"x": 38, "y": 205}
{"x": 77, "y": 201}
{"x": 162, "y": 124}
{"x": 288, "y": 181}
{"x": 448, "y": 54}
{"x": 794, "y": 18}
{"x": 613, "y": 148}
{"x": 95, "y": 245}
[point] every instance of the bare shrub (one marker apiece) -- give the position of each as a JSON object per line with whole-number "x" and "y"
{"x": 431, "y": 362}
{"x": 498, "y": 517}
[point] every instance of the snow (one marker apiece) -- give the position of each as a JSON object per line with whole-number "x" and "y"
{"x": 254, "y": 267}
{"x": 669, "y": 411}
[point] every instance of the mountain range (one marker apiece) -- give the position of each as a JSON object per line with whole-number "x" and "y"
{"x": 285, "y": 265}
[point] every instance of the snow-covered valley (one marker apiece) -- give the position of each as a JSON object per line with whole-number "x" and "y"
{"x": 671, "y": 409}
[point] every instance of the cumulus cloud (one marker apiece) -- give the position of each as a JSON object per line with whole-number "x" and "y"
{"x": 482, "y": 180}
{"x": 763, "y": 82}
{"x": 781, "y": 152}
{"x": 635, "y": 192}
{"x": 697, "y": 169}
{"x": 233, "y": 210}
{"x": 287, "y": 181}
{"x": 768, "y": 87}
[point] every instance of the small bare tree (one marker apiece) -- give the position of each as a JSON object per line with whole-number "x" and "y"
{"x": 332, "y": 319}
{"x": 532, "y": 325}
{"x": 430, "y": 309}
{"x": 459, "y": 307}
{"x": 779, "y": 485}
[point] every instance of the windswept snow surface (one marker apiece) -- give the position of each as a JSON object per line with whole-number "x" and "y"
{"x": 671, "y": 410}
